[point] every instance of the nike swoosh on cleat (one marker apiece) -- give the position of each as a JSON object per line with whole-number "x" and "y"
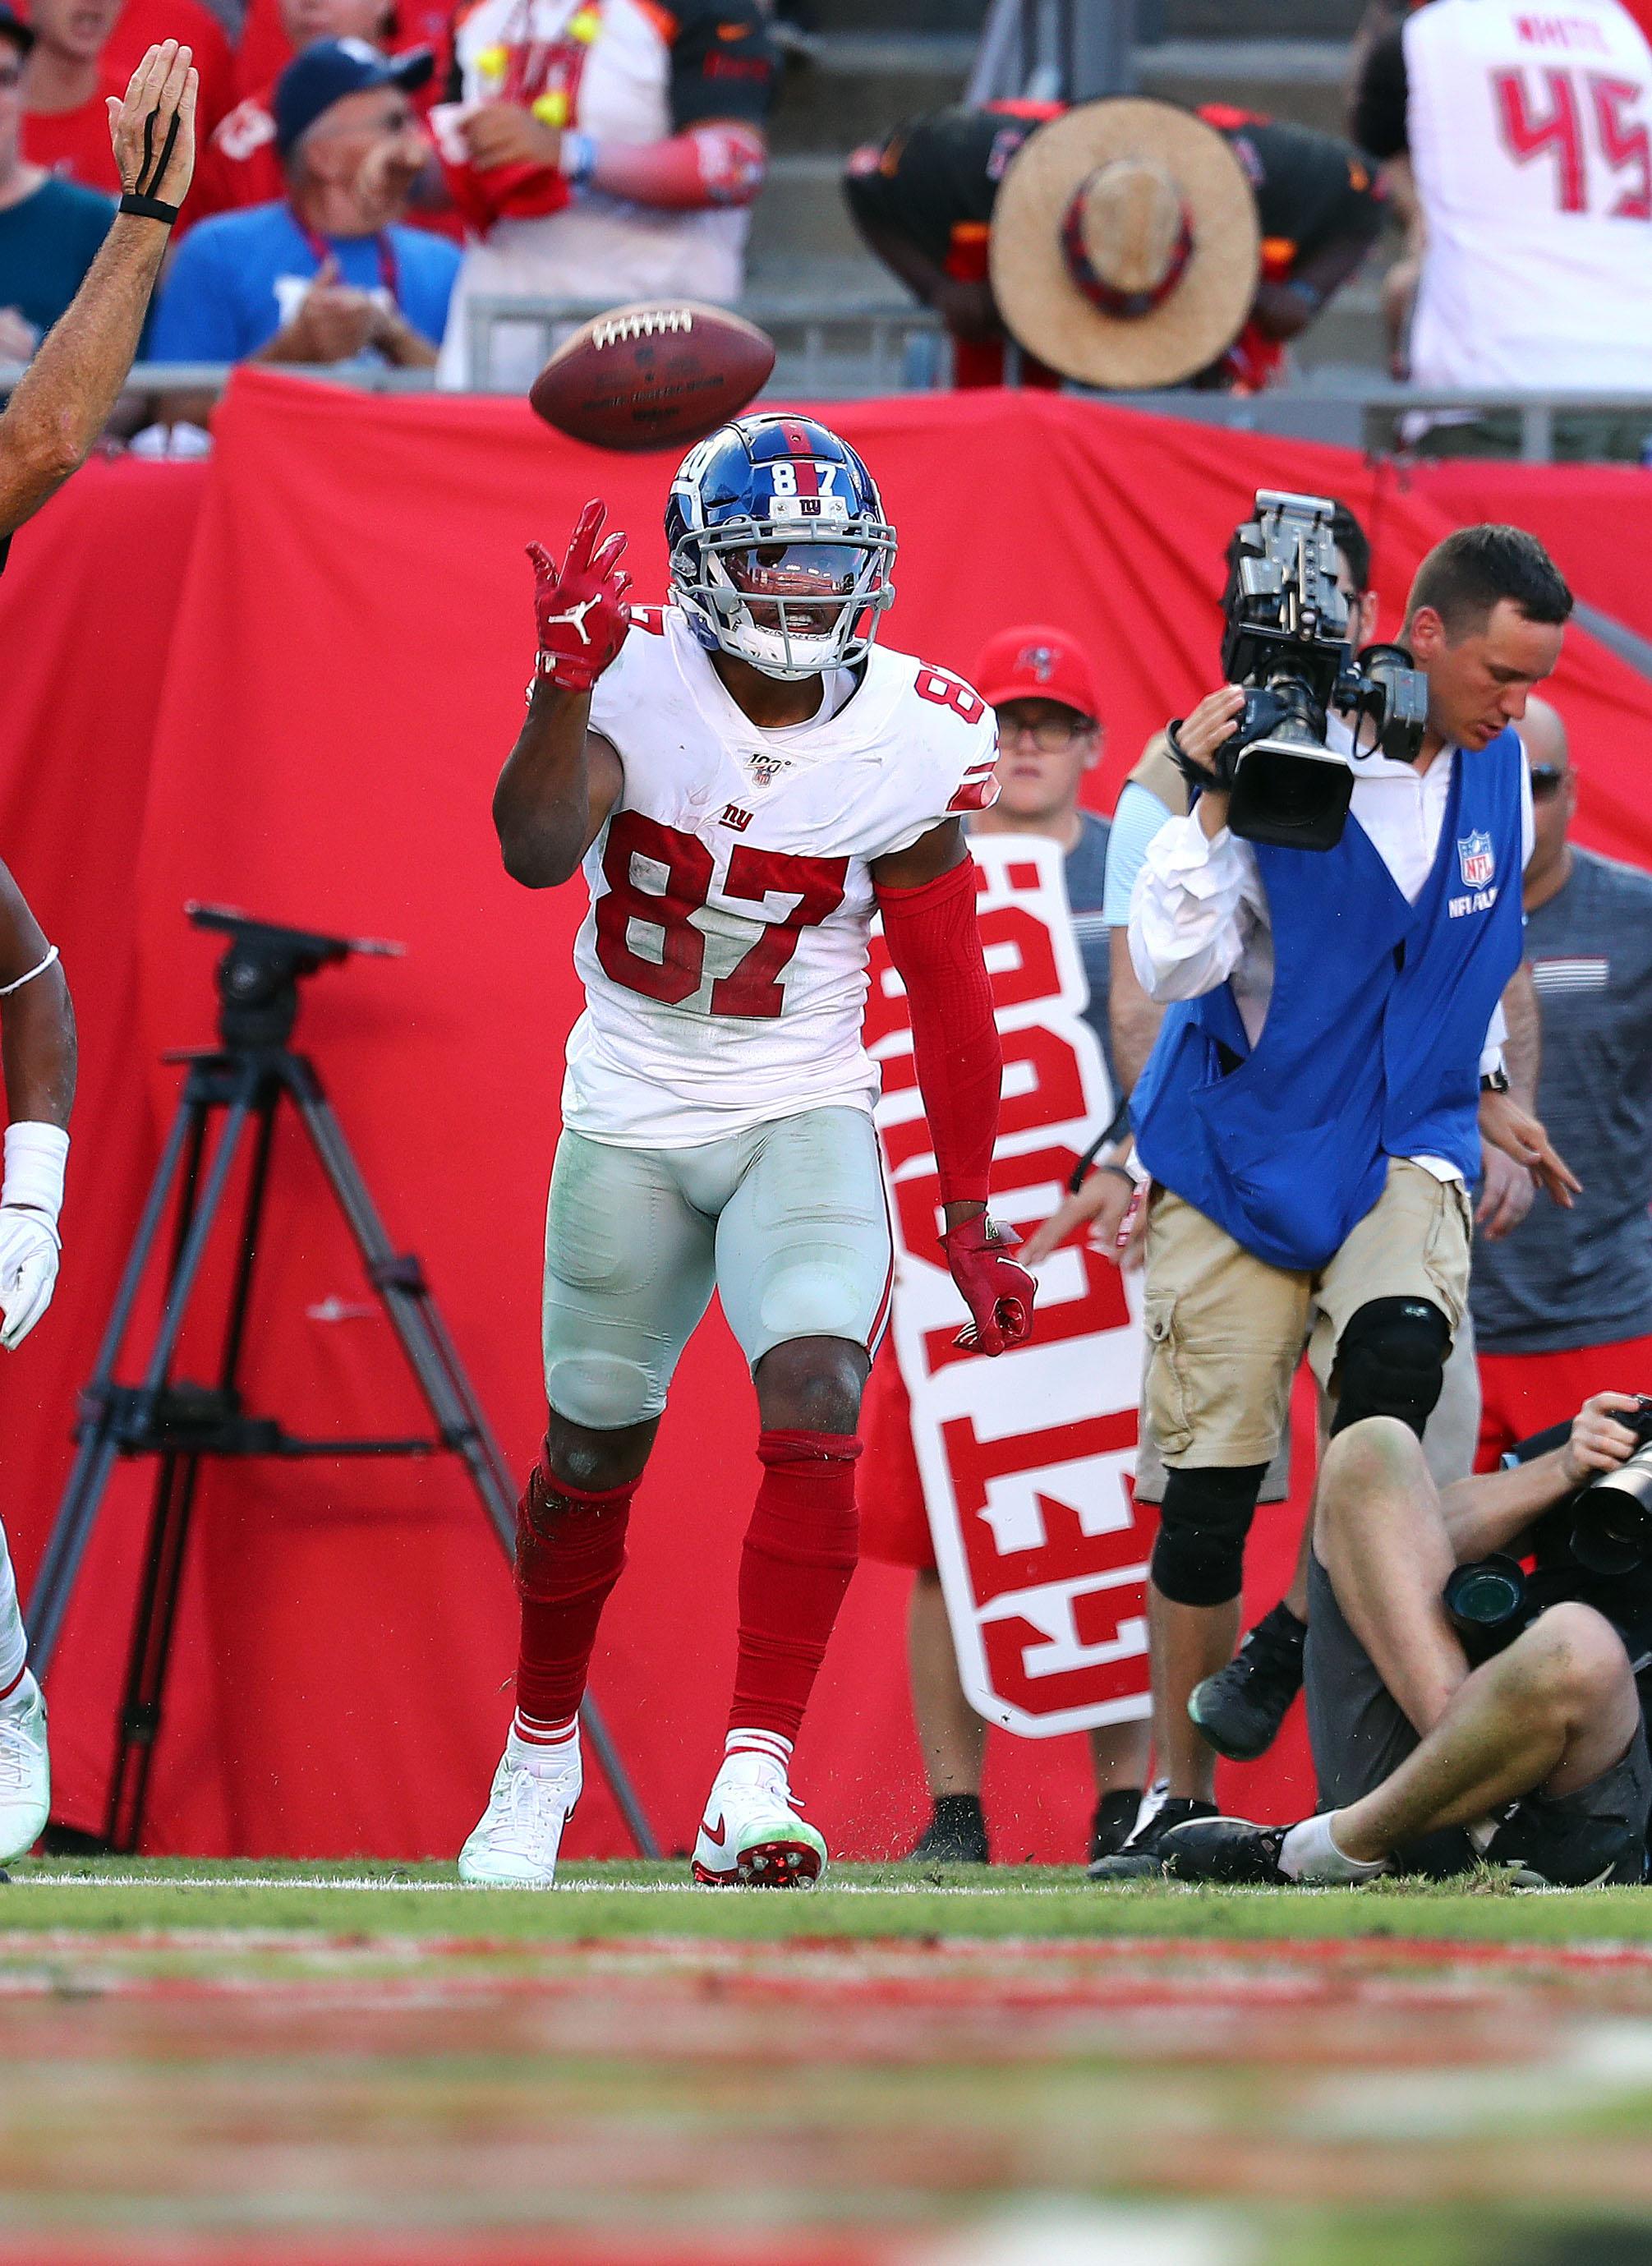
{"x": 720, "y": 1836}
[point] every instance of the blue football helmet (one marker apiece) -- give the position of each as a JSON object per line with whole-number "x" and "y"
{"x": 780, "y": 553}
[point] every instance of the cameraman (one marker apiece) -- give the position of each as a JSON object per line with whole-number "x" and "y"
{"x": 1308, "y": 1114}
{"x": 1535, "y": 1760}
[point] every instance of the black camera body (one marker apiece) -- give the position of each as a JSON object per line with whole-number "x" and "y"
{"x": 1612, "y": 1517}
{"x": 1286, "y": 641}
{"x": 1591, "y": 1542}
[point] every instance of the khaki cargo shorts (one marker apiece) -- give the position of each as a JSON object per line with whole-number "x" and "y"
{"x": 1225, "y": 1331}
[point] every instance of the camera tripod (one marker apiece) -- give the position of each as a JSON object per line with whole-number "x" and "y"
{"x": 244, "y": 1081}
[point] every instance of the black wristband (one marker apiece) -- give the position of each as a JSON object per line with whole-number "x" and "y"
{"x": 147, "y": 207}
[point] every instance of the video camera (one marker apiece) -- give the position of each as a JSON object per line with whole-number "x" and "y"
{"x": 1601, "y": 1530}
{"x": 1286, "y": 641}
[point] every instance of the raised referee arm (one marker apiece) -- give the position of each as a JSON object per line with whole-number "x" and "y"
{"x": 64, "y": 400}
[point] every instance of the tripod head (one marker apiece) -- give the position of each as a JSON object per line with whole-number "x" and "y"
{"x": 257, "y": 977}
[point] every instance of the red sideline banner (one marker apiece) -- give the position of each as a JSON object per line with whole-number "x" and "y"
{"x": 1025, "y": 1460}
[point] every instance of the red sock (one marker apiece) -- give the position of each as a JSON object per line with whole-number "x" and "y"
{"x": 800, "y": 1552}
{"x": 570, "y": 1552}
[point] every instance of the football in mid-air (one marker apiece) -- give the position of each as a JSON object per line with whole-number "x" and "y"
{"x": 654, "y": 376}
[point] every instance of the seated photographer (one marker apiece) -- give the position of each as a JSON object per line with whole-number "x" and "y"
{"x": 1457, "y": 1708}
{"x": 1313, "y": 1108}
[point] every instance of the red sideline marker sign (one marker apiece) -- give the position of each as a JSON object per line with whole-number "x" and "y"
{"x": 1025, "y": 1460}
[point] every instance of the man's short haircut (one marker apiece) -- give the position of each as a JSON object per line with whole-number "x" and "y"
{"x": 1466, "y": 575}
{"x": 1352, "y": 541}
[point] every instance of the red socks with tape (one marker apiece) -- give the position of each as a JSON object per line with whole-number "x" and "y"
{"x": 800, "y": 1552}
{"x": 570, "y": 1552}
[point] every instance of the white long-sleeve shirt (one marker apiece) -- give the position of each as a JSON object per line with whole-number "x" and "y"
{"x": 1199, "y": 913}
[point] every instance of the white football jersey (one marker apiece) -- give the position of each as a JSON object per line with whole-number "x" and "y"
{"x": 724, "y": 955}
{"x": 1531, "y": 136}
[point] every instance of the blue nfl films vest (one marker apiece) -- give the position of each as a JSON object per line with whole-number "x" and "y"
{"x": 1371, "y": 1045}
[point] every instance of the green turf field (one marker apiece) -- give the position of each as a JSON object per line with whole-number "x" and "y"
{"x": 357, "y": 2064}
{"x": 855, "y": 1902}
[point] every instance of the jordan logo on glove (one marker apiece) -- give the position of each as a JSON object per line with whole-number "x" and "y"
{"x": 580, "y": 607}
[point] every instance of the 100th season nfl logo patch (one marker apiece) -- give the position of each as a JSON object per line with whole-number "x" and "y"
{"x": 1476, "y": 859}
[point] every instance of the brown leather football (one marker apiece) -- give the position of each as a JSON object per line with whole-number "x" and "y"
{"x": 658, "y": 374}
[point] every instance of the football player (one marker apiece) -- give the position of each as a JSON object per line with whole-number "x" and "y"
{"x": 37, "y": 1025}
{"x": 744, "y": 780}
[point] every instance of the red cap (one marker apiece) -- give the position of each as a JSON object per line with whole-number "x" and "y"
{"x": 1035, "y": 662}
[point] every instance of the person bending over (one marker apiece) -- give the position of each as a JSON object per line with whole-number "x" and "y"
{"x": 1535, "y": 1760}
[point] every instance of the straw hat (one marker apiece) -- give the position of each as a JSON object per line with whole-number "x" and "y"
{"x": 1125, "y": 248}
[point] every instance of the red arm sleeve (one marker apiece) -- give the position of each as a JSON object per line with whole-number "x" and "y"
{"x": 935, "y": 945}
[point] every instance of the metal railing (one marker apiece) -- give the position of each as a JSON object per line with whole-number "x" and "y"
{"x": 1382, "y": 415}
{"x": 911, "y": 352}
{"x": 832, "y": 349}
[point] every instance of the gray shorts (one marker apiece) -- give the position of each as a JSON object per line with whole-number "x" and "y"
{"x": 786, "y": 1221}
{"x": 1360, "y": 1735}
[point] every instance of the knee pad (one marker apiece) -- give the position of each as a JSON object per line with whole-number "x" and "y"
{"x": 604, "y": 1391}
{"x": 1199, "y": 1554}
{"x": 1390, "y": 1361}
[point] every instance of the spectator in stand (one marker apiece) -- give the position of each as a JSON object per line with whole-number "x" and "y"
{"x": 1568, "y": 1295}
{"x": 924, "y": 200}
{"x": 67, "y": 78}
{"x": 240, "y": 165}
{"x": 1523, "y": 138}
{"x": 141, "y": 24}
{"x": 1040, "y": 682}
{"x": 328, "y": 275}
{"x": 275, "y": 30}
{"x": 50, "y": 231}
{"x": 85, "y": 51}
{"x": 605, "y": 153}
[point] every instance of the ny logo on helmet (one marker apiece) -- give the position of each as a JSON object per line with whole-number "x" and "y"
{"x": 1037, "y": 661}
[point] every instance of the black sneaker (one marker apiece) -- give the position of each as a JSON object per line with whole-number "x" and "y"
{"x": 1240, "y": 1708}
{"x": 956, "y": 1833}
{"x": 1140, "y": 1857}
{"x": 1113, "y": 1822}
{"x": 1230, "y": 1851}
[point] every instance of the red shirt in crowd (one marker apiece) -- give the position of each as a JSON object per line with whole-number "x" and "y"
{"x": 76, "y": 142}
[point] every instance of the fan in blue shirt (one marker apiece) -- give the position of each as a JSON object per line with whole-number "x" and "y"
{"x": 329, "y": 275}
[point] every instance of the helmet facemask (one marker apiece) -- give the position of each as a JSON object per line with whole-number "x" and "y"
{"x": 792, "y": 599}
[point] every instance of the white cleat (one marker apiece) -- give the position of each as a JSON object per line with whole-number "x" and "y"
{"x": 25, "y": 1772}
{"x": 516, "y": 1845}
{"x": 751, "y": 1836}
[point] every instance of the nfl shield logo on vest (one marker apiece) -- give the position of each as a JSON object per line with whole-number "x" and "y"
{"x": 1475, "y": 857}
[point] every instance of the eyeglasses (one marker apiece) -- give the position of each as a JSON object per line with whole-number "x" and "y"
{"x": 1545, "y": 781}
{"x": 1048, "y": 737}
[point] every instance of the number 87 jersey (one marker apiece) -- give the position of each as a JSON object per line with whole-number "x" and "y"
{"x": 723, "y": 953}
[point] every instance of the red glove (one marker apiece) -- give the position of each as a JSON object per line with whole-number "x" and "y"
{"x": 997, "y": 1291}
{"x": 580, "y": 607}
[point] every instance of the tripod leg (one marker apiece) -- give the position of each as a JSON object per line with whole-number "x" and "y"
{"x": 83, "y": 1495}
{"x": 139, "y": 1723}
{"x": 434, "y": 1361}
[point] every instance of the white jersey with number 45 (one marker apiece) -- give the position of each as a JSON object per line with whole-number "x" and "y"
{"x": 724, "y": 955}
{"x": 1530, "y": 135}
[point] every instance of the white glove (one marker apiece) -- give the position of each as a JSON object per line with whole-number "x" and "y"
{"x": 29, "y": 1246}
{"x": 29, "y": 1242}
